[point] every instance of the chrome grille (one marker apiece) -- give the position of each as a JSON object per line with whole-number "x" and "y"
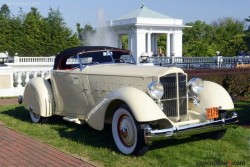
{"x": 174, "y": 87}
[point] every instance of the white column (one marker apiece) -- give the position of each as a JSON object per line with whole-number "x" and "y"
{"x": 168, "y": 45}
{"x": 119, "y": 41}
{"x": 19, "y": 79}
{"x": 42, "y": 74}
{"x": 27, "y": 78}
{"x": 178, "y": 43}
{"x": 16, "y": 59}
{"x": 140, "y": 44}
{"x": 154, "y": 44}
{"x": 132, "y": 42}
{"x": 172, "y": 44}
{"x": 35, "y": 74}
{"x": 149, "y": 43}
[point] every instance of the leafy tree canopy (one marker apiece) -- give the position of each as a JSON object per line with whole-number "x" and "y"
{"x": 225, "y": 35}
{"x": 31, "y": 34}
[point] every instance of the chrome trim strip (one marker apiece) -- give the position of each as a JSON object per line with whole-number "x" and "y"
{"x": 151, "y": 135}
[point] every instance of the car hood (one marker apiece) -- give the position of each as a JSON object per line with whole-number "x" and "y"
{"x": 130, "y": 70}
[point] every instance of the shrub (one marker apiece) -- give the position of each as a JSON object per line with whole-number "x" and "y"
{"x": 235, "y": 80}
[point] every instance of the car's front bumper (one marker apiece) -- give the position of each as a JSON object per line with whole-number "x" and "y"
{"x": 188, "y": 130}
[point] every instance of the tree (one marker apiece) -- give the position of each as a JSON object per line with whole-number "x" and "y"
{"x": 56, "y": 34}
{"x": 31, "y": 34}
{"x": 84, "y": 33}
{"x": 247, "y": 33}
{"x": 5, "y": 28}
{"x": 225, "y": 35}
{"x": 5, "y": 11}
{"x": 197, "y": 41}
{"x": 124, "y": 39}
{"x": 33, "y": 26}
{"x": 229, "y": 36}
{"x": 162, "y": 43}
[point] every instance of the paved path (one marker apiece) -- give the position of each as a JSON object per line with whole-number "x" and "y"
{"x": 8, "y": 101}
{"x": 19, "y": 150}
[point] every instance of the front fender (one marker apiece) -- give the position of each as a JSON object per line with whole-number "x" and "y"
{"x": 214, "y": 95}
{"x": 142, "y": 107}
{"x": 38, "y": 97}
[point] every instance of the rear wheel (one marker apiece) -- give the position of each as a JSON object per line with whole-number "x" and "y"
{"x": 36, "y": 118}
{"x": 127, "y": 133}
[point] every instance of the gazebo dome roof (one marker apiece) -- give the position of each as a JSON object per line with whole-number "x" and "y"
{"x": 144, "y": 12}
{"x": 146, "y": 17}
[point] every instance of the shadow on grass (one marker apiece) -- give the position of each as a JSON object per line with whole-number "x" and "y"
{"x": 85, "y": 134}
{"x": 243, "y": 110}
{"x": 103, "y": 139}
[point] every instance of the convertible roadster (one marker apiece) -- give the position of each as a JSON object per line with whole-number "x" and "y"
{"x": 98, "y": 84}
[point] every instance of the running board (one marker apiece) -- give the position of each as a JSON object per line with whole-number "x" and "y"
{"x": 74, "y": 120}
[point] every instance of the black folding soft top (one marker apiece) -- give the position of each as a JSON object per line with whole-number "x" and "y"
{"x": 73, "y": 51}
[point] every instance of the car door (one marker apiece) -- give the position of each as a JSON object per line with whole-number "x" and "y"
{"x": 69, "y": 93}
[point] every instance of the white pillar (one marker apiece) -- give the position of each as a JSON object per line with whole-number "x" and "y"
{"x": 132, "y": 42}
{"x": 178, "y": 43}
{"x": 35, "y": 74}
{"x": 19, "y": 79}
{"x": 168, "y": 45}
{"x": 27, "y": 78}
{"x": 16, "y": 59}
{"x": 42, "y": 74}
{"x": 172, "y": 44}
{"x": 140, "y": 44}
{"x": 154, "y": 44}
{"x": 149, "y": 43}
{"x": 119, "y": 41}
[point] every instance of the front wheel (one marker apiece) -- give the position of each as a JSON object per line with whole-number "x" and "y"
{"x": 127, "y": 133}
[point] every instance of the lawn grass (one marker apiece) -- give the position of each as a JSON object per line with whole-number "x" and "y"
{"x": 99, "y": 147}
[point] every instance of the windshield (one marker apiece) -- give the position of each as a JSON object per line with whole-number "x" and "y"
{"x": 97, "y": 57}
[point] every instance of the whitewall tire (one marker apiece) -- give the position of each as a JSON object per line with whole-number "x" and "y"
{"x": 36, "y": 118}
{"x": 127, "y": 134}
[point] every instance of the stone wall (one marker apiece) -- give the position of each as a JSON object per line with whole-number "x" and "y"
{"x": 6, "y": 80}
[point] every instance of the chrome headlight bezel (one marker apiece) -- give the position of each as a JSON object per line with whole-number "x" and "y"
{"x": 195, "y": 86}
{"x": 155, "y": 90}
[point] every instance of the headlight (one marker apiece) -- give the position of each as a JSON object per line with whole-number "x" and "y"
{"x": 195, "y": 85}
{"x": 155, "y": 90}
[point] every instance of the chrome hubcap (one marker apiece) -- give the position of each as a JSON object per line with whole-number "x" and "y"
{"x": 126, "y": 131}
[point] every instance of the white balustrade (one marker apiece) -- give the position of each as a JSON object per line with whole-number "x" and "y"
{"x": 212, "y": 62}
{"x": 23, "y": 69}
{"x": 19, "y": 79}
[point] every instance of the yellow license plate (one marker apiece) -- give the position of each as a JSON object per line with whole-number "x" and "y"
{"x": 212, "y": 113}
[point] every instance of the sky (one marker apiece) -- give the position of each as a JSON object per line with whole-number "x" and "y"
{"x": 86, "y": 11}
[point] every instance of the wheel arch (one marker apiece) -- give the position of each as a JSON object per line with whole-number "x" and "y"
{"x": 38, "y": 97}
{"x": 143, "y": 108}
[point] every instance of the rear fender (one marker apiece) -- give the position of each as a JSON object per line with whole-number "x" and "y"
{"x": 143, "y": 108}
{"x": 38, "y": 97}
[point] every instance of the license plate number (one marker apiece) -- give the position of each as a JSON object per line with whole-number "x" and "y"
{"x": 212, "y": 113}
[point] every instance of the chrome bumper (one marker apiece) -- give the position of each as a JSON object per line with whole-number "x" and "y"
{"x": 188, "y": 130}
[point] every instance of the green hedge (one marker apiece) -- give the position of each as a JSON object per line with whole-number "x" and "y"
{"x": 235, "y": 80}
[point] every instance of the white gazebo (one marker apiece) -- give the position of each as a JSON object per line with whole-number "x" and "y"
{"x": 143, "y": 26}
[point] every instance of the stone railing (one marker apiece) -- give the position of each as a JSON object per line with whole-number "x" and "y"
{"x": 197, "y": 62}
{"x": 15, "y": 75}
{"x": 13, "y": 80}
{"x": 34, "y": 59}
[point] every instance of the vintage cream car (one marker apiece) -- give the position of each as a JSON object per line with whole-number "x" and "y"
{"x": 98, "y": 85}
